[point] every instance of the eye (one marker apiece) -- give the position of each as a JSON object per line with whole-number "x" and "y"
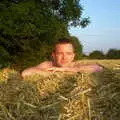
{"x": 69, "y": 53}
{"x": 58, "y": 53}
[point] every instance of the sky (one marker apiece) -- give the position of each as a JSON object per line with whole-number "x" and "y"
{"x": 103, "y": 33}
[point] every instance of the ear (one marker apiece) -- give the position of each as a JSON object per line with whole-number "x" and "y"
{"x": 73, "y": 55}
{"x": 53, "y": 55}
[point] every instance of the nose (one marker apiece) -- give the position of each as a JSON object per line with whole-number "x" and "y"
{"x": 64, "y": 56}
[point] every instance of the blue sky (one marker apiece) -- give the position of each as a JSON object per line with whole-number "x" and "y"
{"x": 103, "y": 32}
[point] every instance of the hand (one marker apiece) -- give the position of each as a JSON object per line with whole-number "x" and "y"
{"x": 98, "y": 68}
{"x": 55, "y": 69}
{"x": 90, "y": 68}
{"x": 62, "y": 69}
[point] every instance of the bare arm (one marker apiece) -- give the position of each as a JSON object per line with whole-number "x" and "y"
{"x": 90, "y": 68}
{"x": 36, "y": 69}
{"x": 30, "y": 71}
{"x": 47, "y": 67}
{"x": 83, "y": 68}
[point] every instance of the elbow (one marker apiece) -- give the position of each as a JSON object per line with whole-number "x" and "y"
{"x": 23, "y": 74}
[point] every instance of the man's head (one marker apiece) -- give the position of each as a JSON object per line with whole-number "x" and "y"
{"x": 63, "y": 54}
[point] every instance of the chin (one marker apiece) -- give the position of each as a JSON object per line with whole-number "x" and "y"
{"x": 63, "y": 65}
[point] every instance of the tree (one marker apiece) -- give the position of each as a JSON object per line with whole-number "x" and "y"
{"x": 27, "y": 25}
{"x": 96, "y": 55}
{"x": 78, "y": 47}
{"x": 113, "y": 54}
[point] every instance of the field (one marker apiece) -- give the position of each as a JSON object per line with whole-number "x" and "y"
{"x": 61, "y": 96}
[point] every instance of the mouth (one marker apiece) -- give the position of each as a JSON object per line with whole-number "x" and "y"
{"x": 64, "y": 62}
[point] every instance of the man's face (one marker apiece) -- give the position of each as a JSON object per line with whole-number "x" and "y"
{"x": 63, "y": 54}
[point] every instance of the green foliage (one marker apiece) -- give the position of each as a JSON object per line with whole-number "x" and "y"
{"x": 68, "y": 11}
{"x": 84, "y": 56}
{"x": 29, "y": 28}
{"x": 78, "y": 47}
{"x": 4, "y": 57}
{"x": 113, "y": 54}
{"x": 96, "y": 55}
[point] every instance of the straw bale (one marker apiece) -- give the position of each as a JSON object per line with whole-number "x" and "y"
{"x": 60, "y": 96}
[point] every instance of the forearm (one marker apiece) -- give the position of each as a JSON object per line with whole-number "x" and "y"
{"x": 90, "y": 68}
{"x": 84, "y": 68}
{"x": 30, "y": 71}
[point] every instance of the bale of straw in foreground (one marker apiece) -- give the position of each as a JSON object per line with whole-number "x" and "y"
{"x": 60, "y": 96}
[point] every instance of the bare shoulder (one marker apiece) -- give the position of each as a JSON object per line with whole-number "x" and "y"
{"x": 36, "y": 69}
{"x": 46, "y": 64}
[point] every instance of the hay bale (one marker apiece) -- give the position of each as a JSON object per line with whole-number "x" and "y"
{"x": 61, "y": 96}
{"x": 105, "y": 97}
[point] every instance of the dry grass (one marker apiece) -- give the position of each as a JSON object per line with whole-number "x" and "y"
{"x": 62, "y": 96}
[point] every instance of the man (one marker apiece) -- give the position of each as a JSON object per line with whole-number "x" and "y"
{"x": 63, "y": 60}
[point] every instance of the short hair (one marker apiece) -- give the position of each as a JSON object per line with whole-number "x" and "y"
{"x": 65, "y": 41}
